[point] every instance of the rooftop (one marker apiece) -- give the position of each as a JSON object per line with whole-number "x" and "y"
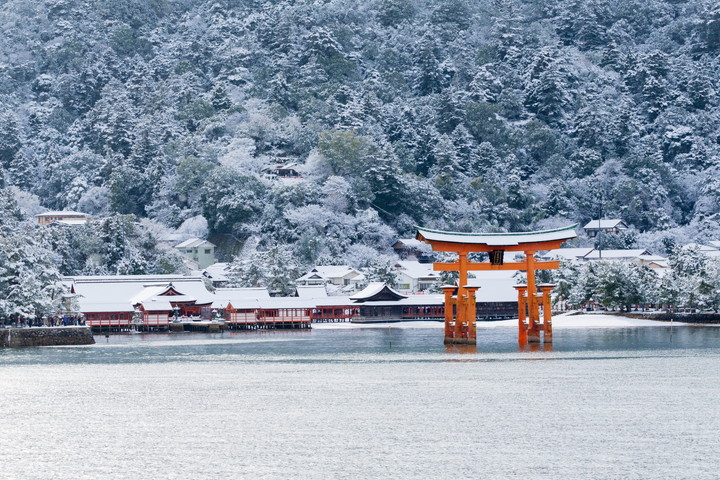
{"x": 62, "y": 213}
{"x": 330, "y": 271}
{"x": 610, "y": 254}
{"x": 193, "y": 242}
{"x": 604, "y": 224}
{"x": 497, "y": 239}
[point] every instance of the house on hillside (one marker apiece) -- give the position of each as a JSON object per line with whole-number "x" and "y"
{"x": 286, "y": 170}
{"x": 613, "y": 226}
{"x": 653, "y": 261}
{"x": 199, "y": 251}
{"x": 340, "y": 275}
{"x": 413, "y": 276}
{"x": 63, "y": 217}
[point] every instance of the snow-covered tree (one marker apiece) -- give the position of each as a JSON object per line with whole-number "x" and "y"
{"x": 29, "y": 278}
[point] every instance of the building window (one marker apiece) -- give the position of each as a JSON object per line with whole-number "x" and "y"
{"x": 207, "y": 251}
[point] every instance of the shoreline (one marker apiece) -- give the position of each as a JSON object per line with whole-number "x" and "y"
{"x": 566, "y": 320}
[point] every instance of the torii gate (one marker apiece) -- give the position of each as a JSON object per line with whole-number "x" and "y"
{"x": 460, "y": 326}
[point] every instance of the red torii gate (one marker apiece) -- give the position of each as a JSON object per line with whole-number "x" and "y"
{"x": 460, "y": 326}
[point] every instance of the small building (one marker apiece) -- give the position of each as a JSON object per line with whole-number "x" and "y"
{"x": 286, "y": 170}
{"x": 63, "y": 217}
{"x": 413, "y": 276}
{"x": 199, "y": 251}
{"x": 652, "y": 261}
{"x": 613, "y": 226}
{"x": 339, "y": 275}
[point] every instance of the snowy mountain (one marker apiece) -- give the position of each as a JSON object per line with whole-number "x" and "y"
{"x": 454, "y": 114}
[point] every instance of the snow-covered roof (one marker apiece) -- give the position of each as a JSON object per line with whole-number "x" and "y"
{"x": 375, "y": 288}
{"x": 233, "y": 293}
{"x": 245, "y": 297}
{"x": 217, "y": 271}
{"x": 497, "y": 239}
{"x": 127, "y": 289}
{"x": 193, "y": 243}
{"x": 311, "y": 291}
{"x": 604, "y": 224}
{"x": 73, "y": 221}
{"x": 415, "y": 269}
{"x": 172, "y": 237}
{"x": 91, "y": 307}
{"x": 567, "y": 253}
{"x": 651, "y": 258}
{"x": 62, "y": 213}
{"x": 337, "y": 301}
{"x": 701, "y": 247}
{"x": 714, "y": 243}
{"x": 165, "y": 293}
{"x": 331, "y": 271}
{"x": 156, "y": 305}
{"x": 147, "y": 292}
{"x": 615, "y": 254}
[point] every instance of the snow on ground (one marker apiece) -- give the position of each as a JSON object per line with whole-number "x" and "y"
{"x": 409, "y": 324}
{"x": 559, "y": 322}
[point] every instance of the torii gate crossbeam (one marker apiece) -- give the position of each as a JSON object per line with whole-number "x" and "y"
{"x": 460, "y": 300}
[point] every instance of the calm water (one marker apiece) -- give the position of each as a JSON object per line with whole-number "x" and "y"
{"x": 373, "y": 403}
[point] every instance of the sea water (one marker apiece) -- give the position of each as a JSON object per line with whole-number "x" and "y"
{"x": 620, "y": 403}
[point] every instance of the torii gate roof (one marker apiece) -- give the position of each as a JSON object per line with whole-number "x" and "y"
{"x": 500, "y": 240}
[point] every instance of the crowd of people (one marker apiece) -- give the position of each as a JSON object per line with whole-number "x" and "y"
{"x": 44, "y": 321}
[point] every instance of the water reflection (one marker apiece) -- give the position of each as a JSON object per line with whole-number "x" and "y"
{"x": 535, "y": 347}
{"x": 390, "y": 344}
{"x": 461, "y": 349}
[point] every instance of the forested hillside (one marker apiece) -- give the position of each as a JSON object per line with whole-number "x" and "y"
{"x": 454, "y": 114}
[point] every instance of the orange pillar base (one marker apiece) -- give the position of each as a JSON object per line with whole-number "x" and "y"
{"x": 533, "y": 335}
{"x": 460, "y": 341}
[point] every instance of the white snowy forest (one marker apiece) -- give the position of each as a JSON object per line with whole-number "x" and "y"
{"x": 159, "y": 115}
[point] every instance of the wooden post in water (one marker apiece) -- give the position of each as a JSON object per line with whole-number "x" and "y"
{"x": 470, "y": 315}
{"x": 533, "y": 307}
{"x": 449, "y": 290}
{"x": 522, "y": 314}
{"x": 546, "y": 288}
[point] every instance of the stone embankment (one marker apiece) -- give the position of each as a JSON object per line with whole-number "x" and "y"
{"x": 45, "y": 336}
